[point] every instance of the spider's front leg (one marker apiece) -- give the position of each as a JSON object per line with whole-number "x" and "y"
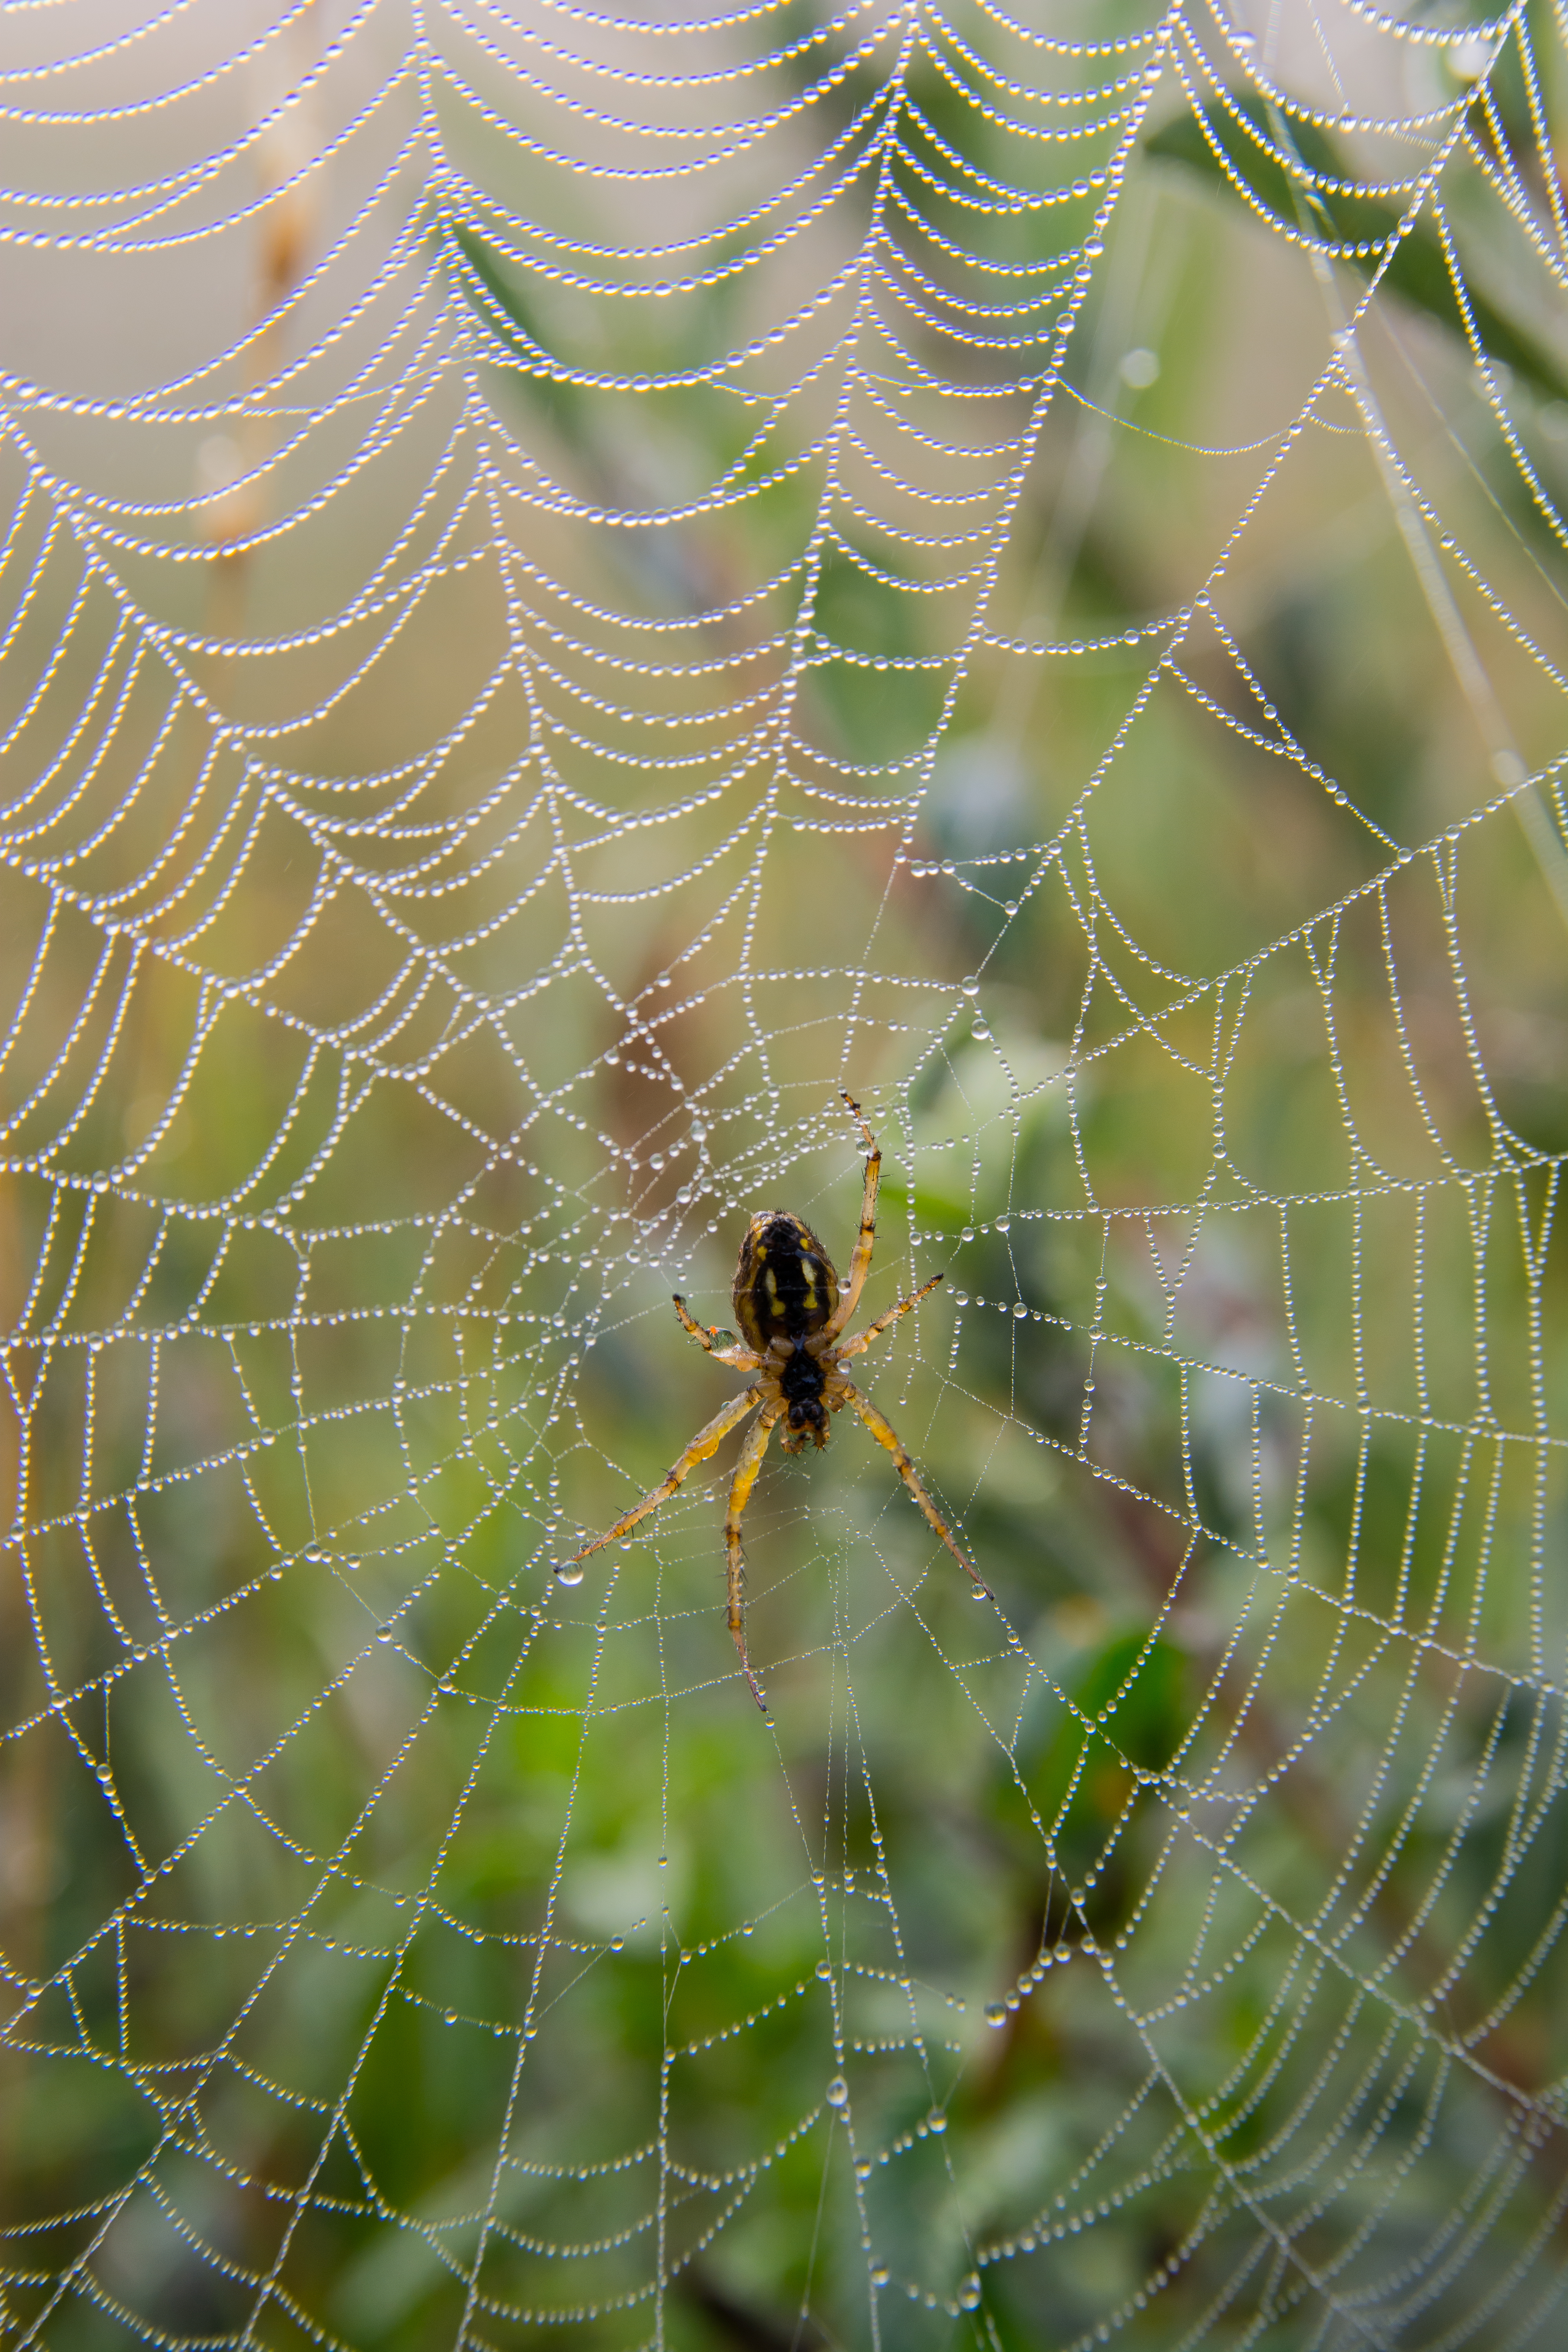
{"x": 882, "y": 1430}
{"x": 746, "y": 1470}
{"x": 866, "y": 1239}
{"x": 707, "y": 1442}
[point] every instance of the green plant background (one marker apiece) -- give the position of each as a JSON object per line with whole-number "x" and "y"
{"x": 402, "y": 1946}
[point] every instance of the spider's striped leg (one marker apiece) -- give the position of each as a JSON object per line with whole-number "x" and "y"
{"x": 866, "y": 1239}
{"x": 884, "y": 1433}
{"x": 742, "y": 1357}
{"x": 874, "y": 1330}
{"x": 746, "y": 1470}
{"x": 706, "y": 1442}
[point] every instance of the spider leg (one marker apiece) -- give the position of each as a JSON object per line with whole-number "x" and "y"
{"x": 866, "y": 1239}
{"x": 745, "y": 1478}
{"x": 740, "y": 1355}
{"x": 884, "y": 1433}
{"x": 706, "y": 1442}
{"x": 874, "y": 1330}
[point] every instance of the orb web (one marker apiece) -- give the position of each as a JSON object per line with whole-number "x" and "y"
{"x": 574, "y": 585}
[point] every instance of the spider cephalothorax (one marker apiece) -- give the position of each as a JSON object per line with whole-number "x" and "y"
{"x": 791, "y": 1307}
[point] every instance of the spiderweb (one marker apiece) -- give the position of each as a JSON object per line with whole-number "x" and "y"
{"x": 573, "y": 585}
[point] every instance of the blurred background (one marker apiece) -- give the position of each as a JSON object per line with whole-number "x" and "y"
{"x": 571, "y": 587}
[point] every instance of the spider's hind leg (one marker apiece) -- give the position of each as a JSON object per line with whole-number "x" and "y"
{"x": 734, "y": 1351}
{"x": 874, "y": 1330}
{"x": 866, "y": 1239}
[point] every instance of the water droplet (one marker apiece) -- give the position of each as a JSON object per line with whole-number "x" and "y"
{"x": 1011, "y": 907}
{"x": 824, "y": 1971}
{"x": 968, "y": 2295}
{"x": 383, "y": 1632}
{"x": 961, "y": 1297}
{"x": 967, "y": 1234}
{"x": 838, "y": 2092}
{"x": 1003, "y": 1224}
{"x": 879, "y": 2275}
{"x": 1019, "y": 1310}
{"x": 570, "y": 1572}
{"x": 617, "y": 1943}
{"x": 996, "y": 2012}
{"x": 936, "y": 2121}
{"x": 980, "y": 1030}
{"x": 978, "y": 1592}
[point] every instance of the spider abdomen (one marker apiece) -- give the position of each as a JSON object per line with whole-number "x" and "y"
{"x": 786, "y": 1287}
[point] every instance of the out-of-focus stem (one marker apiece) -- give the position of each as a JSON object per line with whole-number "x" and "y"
{"x": 228, "y": 464}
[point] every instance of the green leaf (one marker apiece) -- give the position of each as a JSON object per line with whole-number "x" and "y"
{"x": 1280, "y": 190}
{"x": 507, "y": 316}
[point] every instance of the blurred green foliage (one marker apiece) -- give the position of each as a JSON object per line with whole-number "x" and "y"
{"x": 1025, "y": 1955}
{"x": 1292, "y": 174}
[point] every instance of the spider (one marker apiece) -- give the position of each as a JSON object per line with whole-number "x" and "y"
{"x": 791, "y": 1308}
